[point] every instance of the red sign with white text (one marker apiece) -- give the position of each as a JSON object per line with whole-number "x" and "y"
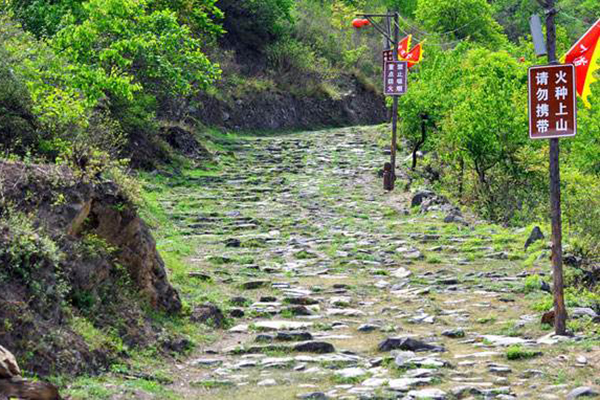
{"x": 552, "y": 101}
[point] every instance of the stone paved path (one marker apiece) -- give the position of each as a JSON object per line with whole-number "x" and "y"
{"x": 340, "y": 290}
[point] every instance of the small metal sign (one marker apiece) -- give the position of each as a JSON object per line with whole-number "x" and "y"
{"x": 552, "y": 101}
{"x": 394, "y": 78}
{"x": 537, "y": 36}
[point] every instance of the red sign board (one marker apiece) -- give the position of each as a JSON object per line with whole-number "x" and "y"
{"x": 552, "y": 101}
{"x": 394, "y": 78}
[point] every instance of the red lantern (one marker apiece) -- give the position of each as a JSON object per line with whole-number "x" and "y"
{"x": 360, "y": 23}
{"x": 357, "y": 23}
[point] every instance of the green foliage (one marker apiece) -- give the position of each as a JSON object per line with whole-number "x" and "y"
{"x": 533, "y": 283}
{"x": 460, "y": 19}
{"x": 253, "y": 24}
{"x": 57, "y": 105}
{"x": 95, "y": 338}
{"x": 29, "y": 255}
{"x": 17, "y": 122}
{"x": 44, "y": 18}
{"x": 406, "y": 8}
{"x": 123, "y": 46}
{"x": 294, "y": 60}
{"x": 574, "y": 15}
{"x": 581, "y": 207}
{"x": 474, "y": 102}
{"x": 202, "y": 16}
{"x": 517, "y": 352}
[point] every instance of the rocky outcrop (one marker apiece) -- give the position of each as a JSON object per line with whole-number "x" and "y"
{"x": 8, "y": 365}
{"x": 278, "y": 109}
{"x": 74, "y": 248}
{"x": 125, "y": 230}
{"x": 64, "y": 205}
{"x": 12, "y": 385}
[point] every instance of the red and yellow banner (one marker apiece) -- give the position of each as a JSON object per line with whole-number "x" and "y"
{"x": 584, "y": 55}
{"x": 415, "y": 55}
{"x": 404, "y": 47}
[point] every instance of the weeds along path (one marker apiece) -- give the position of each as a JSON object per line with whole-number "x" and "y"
{"x": 336, "y": 289}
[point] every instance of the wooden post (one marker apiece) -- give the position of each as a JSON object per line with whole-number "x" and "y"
{"x": 560, "y": 312}
{"x": 395, "y": 104}
{"x": 387, "y": 44}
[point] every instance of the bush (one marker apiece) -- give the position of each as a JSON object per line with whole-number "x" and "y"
{"x": 17, "y": 122}
{"x": 252, "y": 25}
{"x": 45, "y": 78}
{"x": 581, "y": 209}
{"x": 519, "y": 353}
{"x": 123, "y": 47}
{"x": 32, "y": 258}
{"x": 460, "y": 19}
{"x": 296, "y": 61}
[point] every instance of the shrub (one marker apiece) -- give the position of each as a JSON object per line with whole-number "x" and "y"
{"x": 29, "y": 256}
{"x": 45, "y": 79}
{"x": 254, "y": 24}
{"x": 460, "y": 19}
{"x": 123, "y": 47}
{"x": 296, "y": 61}
{"x": 519, "y": 353}
{"x": 581, "y": 207}
{"x": 17, "y": 122}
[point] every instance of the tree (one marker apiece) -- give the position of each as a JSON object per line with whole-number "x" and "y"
{"x": 123, "y": 47}
{"x": 460, "y": 19}
{"x": 254, "y": 24}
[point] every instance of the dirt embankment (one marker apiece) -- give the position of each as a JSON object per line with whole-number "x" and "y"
{"x": 77, "y": 262}
{"x": 277, "y": 109}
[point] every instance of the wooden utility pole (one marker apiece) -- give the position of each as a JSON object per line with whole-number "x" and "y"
{"x": 394, "y": 144}
{"x": 560, "y": 312}
{"x": 389, "y": 172}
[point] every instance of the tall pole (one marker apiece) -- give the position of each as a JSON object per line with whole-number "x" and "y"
{"x": 560, "y": 313}
{"x": 388, "y": 44}
{"x": 395, "y": 103}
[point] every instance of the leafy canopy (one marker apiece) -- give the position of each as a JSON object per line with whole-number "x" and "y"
{"x": 460, "y": 19}
{"x": 123, "y": 46}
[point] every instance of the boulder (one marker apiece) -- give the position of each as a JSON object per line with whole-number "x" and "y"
{"x": 548, "y": 318}
{"x": 407, "y": 343}
{"x": 208, "y": 314}
{"x": 25, "y": 389}
{"x": 8, "y": 365}
{"x": 421, "y": 195}
{"x": 535, "y": 235}
{"x": 583, "y": 391}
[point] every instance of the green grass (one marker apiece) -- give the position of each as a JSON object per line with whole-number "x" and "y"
{"x": 95, "y": 338}
{"x": 520, "y": 353}
{"x": 532, "y": 283}
{"x": 486, "y": 320}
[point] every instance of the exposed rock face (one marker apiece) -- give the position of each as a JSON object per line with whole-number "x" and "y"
{"x": 100, "y": 209}
{"x": 24, "y": 389}
{"x": 13, "y": 386}
{"x": 8, "y": 365}
{"x": 90, "y": 251}
{"x": 535, "y": 235}
{"x": 360, "y": 105}
{"x": 125, "y": 230}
